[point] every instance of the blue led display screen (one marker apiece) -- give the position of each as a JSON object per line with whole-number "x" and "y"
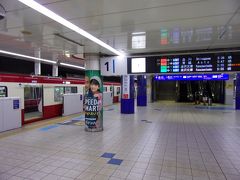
{"x": 191, "y": 77}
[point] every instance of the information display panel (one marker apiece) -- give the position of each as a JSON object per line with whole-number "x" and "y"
{"x": 195, "y": 63}
{"x": 192, "y": 77}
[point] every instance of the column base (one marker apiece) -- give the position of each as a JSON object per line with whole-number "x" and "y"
{"x": 141, "y": 100}
{"x": 127, "y": 106}
{"x": 237, "y": 104}
{"x": 93, "y": 130}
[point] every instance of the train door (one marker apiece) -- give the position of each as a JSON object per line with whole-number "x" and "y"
{"x": 33, "y": 102}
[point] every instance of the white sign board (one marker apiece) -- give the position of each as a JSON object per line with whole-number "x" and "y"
{"x": 126, "y": 87}
{"x": 113, "y": 66}
{"x": 138, "y": 65}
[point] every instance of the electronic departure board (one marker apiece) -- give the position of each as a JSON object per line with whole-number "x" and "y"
{"x": 196, "y": 63}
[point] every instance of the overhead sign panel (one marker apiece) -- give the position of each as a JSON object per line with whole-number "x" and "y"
{"x": 113, "y": 66}
{"x": 199, "y": 63}
{"x": 191, "y": 77}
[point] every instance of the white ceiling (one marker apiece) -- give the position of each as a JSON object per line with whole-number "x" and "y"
{"x": 188, "y": 24}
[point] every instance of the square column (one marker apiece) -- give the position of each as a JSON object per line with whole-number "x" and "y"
{"x": 237, "y": 97}
{"x": 141, "y": 90}
{"x": 127, "y": 100}
{"x": 37, "y": 64}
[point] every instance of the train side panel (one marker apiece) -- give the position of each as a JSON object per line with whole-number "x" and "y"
{"x": 51, "y": 108}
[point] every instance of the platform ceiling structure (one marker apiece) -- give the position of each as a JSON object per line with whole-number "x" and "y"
{"x": 162, "y": 25}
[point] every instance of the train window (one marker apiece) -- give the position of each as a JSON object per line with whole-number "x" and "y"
{"x": 32, "y": 92}
{"x": 68, "y": 90}
{"x": 118, "y": 90}
{"x": 3, "y": 91}
{"x": 74, "y": 89}
{"x": 58, "y": 93}
{"x": 60, "y": 90}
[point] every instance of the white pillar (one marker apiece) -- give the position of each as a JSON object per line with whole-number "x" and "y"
{"x": 229, "y": 88}
{"x": 92, "y": 62}
{"x": 55, "y": 66}
{"x": 37, "y": 64}
{"x": 55, "y": 70}
{"x": 149, "y": 88}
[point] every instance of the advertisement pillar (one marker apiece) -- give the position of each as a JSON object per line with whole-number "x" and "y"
{"x": 127, "y": 100}
{"x": 141, "y": 90}
{"x": 237, "y": 97}
{"x": 93, "y": 95}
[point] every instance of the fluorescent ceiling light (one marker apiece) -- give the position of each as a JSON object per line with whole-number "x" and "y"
{"x": 28, "y": 57}
{"x": 138, "y": 33}
{"x": 70, "y": 65}
{"x": 43, "y": 10}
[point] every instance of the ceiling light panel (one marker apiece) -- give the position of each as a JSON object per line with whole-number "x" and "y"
{"x": 43, "y": 10}
{"x": 70, "y": 65}
{"x": 27, "y": 57}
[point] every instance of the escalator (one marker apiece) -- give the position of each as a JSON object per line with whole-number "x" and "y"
{"x": 184, "y": 91}
{"x": 188, "y": 91}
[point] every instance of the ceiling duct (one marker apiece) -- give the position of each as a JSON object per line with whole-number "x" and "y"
{"x": 2, "y": 12}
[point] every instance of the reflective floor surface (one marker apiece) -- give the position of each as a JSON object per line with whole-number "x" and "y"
{"x": 164, "y": 141}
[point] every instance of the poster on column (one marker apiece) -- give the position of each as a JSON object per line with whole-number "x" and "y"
{"x": 126, "y": 87}
{"x": 93, "y": 101}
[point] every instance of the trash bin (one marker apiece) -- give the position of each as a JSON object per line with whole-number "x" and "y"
{"x": 209, "y": 102}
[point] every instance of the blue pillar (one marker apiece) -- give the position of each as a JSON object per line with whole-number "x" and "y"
{"x": 237, "y": 98}
{"x": 127, "y": 100}
{"x": 141, "y": 90}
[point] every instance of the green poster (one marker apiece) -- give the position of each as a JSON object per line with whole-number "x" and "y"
{"x": 93, "y": 101}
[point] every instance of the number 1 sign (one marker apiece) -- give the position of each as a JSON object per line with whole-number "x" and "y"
{"x": 113, "y": 66}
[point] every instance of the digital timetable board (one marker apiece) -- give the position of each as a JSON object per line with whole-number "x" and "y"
{"x": 196, "y": 63}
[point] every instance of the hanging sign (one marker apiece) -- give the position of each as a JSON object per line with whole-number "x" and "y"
{"x": 113, "y": 66}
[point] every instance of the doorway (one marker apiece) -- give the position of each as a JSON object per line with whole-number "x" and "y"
{"x": 33, "y": 102}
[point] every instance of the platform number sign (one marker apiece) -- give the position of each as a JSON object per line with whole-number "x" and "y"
{"x": 110, "y": 63}
{"x": 113, "y": 66}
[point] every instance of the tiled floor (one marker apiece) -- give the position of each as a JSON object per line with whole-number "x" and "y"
{"x": 163, "y": 141}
